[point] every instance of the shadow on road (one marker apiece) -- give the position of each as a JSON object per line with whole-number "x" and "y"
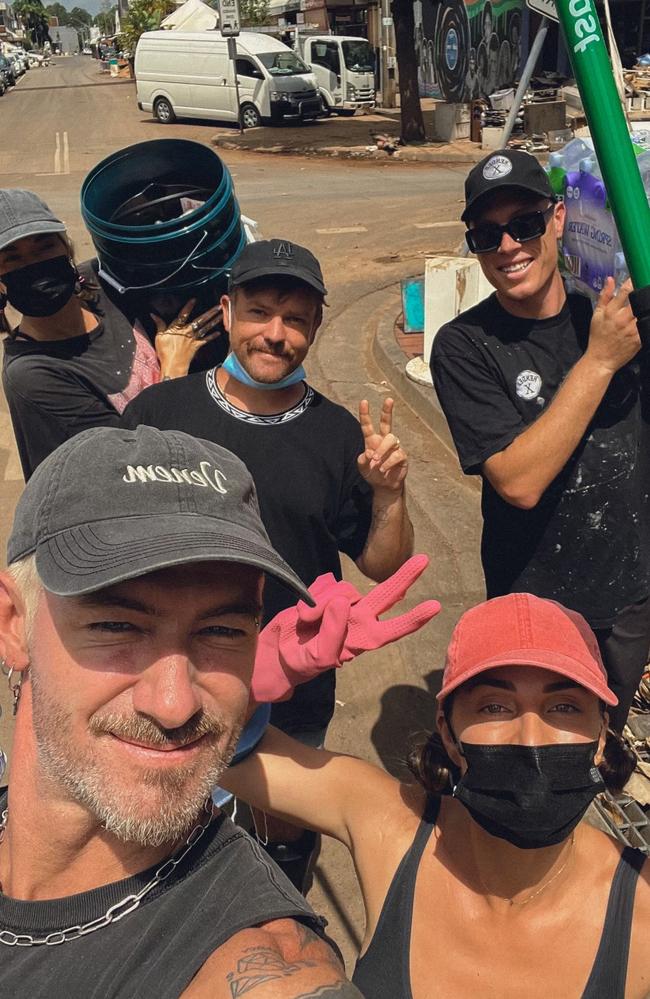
{"x": 406, "y": 712}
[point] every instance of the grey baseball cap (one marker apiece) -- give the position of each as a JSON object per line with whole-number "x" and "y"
{"x": 277, "y": 258}
{"x": 22, "y": 213}
{"x": 112, "y": 504}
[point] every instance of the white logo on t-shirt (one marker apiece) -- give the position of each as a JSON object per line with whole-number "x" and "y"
{"x": 528, "y": 384}
{"x": 497, "y": 167}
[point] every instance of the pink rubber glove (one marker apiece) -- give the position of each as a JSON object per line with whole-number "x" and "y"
{"x": 301, "y": 642}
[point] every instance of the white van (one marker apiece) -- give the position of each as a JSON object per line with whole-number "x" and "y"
{"x": 189, "y": 75}
{"x": 344, "y": 68}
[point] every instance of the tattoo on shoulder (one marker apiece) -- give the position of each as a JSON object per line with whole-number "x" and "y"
{"x": 260, "y": 965}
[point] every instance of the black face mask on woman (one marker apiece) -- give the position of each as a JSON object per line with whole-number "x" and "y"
{"x": 41, "y": 289}
{"x": 531, "y": 796}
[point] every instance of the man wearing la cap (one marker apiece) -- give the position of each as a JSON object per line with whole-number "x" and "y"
{"x": 325, "y": 485}
{"x": 542, "y": 400}
{"x": 129, "y": 619}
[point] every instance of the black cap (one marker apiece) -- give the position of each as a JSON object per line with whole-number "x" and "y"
{"x": 506, "y": 168}
{"x": 281, "y": 257}
{"x": 112, "y": 504}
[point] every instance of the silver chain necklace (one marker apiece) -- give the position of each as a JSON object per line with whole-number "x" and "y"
{"x": 116, "y": 911}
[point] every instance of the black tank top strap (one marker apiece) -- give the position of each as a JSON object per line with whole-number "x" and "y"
{"x": 384, "y": 970}
{"x": 609, "y": 971}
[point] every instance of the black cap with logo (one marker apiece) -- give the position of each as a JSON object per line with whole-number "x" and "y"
{"x": 277, "y": 257}
{"x": 505, "y": 168}
{"x": 111, "y": 504}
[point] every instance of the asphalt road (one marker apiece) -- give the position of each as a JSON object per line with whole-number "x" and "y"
{"x": 370, "y": 224}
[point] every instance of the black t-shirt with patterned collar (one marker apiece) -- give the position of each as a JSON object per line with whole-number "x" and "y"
{"x": 313, "y": 501}
{"x": 584, "y": 543}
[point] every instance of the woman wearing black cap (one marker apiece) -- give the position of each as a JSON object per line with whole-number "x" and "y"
{"x": 74, "y": 361}
{"x": 497, "y": 889}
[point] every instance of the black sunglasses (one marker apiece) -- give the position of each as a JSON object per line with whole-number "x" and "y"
{"x": 487, "y": 236}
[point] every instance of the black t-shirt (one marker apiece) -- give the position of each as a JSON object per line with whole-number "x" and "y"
{"x": 313, "y": 501}
{"x": 584, "y": 543}
{"x": 225, "y": 884}
{"x": 57, "y": 388}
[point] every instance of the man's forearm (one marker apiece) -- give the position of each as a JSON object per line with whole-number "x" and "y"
{"x": 390, "y": 538}
{"x": 523, "y": 471}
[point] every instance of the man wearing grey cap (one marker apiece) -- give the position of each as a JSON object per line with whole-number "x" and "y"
{"x": 128, "y": 625}
{"x": 542, "y": 400}
{"x": 326, "y": 485}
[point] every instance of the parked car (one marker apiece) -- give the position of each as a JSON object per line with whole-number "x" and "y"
{"x": 7, "y": 71}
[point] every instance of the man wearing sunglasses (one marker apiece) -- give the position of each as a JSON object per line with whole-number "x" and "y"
{"x": 542, "y": 399}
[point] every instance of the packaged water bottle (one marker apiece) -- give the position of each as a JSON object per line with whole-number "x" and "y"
{"x": 556, "y": 174}
{"x": 621, "y": 273}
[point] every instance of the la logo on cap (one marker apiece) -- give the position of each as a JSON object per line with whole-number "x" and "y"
{"x": 497, "y": 167}
{"x": 284, "y": 250}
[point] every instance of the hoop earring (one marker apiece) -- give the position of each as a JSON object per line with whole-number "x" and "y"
{"x": 14, "y": 687}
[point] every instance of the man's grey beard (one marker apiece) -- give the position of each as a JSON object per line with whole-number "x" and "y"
{"x": 182, "y": 790}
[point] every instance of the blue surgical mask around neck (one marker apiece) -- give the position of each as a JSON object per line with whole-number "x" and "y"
{"x": 234, "y": 368}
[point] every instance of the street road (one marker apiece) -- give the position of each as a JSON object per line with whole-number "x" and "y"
{"x": 370, "y": 224}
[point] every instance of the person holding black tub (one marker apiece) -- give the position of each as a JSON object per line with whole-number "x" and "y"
{"x": 74, "y": 361}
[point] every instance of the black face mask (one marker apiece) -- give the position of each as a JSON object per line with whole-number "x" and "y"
{"x": 532, "y": 796}
{"x": 41, "y": 289}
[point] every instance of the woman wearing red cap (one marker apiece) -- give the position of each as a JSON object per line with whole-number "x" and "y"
{"x": 495, "y": 889}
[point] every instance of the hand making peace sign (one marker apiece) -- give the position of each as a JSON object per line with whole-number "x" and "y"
{"x": 383, "y": 463}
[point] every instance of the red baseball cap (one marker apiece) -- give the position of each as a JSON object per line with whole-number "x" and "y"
{"x": 523, "y": 630}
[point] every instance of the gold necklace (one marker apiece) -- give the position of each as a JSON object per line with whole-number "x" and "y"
{"x": 538, "y": 891}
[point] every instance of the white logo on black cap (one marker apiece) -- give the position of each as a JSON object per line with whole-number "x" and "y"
{"x": 284, "y": 250}
{"x": 497, "y": 167}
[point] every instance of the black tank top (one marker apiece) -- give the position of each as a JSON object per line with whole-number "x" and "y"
{"x": 384, "y": 970}
{"x": 224, "y": 885}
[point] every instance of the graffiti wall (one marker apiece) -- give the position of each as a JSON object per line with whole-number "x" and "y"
{"x": 466, "y": 49}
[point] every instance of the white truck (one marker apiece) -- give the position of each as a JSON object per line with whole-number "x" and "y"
{"x": 344, "y": 68}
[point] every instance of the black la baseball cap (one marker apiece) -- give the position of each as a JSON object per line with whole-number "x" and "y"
{"x": 506, "y": 168}
{"x": 277, "y": 257}
{"x": 112, "y": 504}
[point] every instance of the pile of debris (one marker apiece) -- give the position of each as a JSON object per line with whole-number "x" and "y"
{"x": 637, "y": 90}
{"x": 540, "y": 124}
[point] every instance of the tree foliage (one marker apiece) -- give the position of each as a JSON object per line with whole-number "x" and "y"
{"x": 105, "y": 20}
{"x": 78, "y": 14}
{"x": 58, "y": 11}
{"x": 254, "y": 13}
{"x": 32, "y": 16}
{"x": 143, "y": 15}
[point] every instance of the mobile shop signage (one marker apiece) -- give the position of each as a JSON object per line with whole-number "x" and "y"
{"x": 229, "y": 19}
{"x": 545, "y": 7}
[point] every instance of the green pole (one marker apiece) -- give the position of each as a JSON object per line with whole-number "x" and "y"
{"x": 611, "y": 138}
